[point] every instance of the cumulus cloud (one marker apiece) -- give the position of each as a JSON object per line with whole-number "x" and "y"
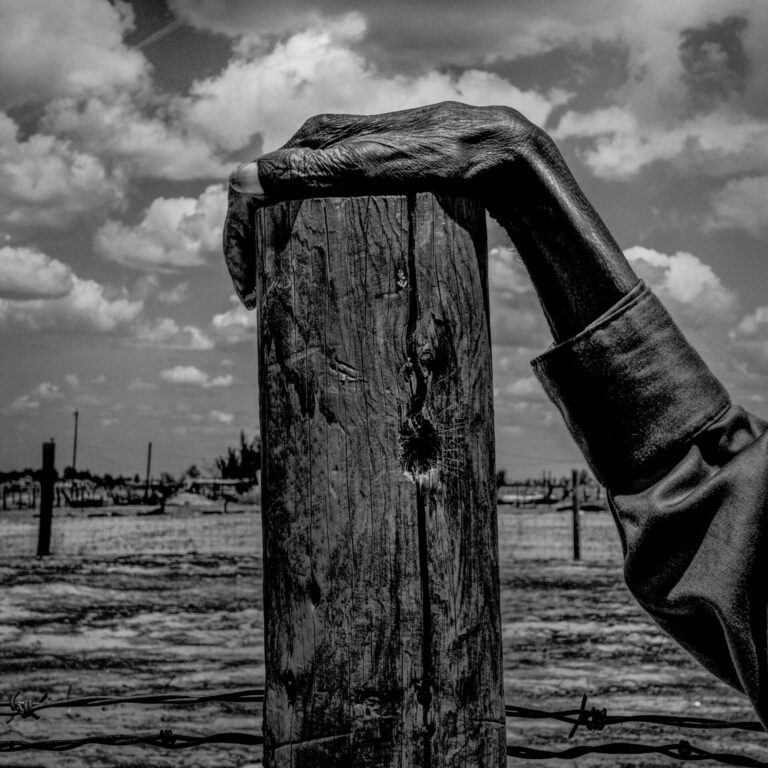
{"x": 692, "y": 97}
{"x": 88, "y": 306}
{"x": 44, "y": 181}
{"x": 741, "y": 204}
{"x": 179, "y": 294}
{"x": 236, "y": 325}
{"x": 137, "y": 132}
{"x": 43, "y": 392}
{"x": 403, "y": 32}
{"x": 526, "y": 388}
{"x": 29, "y": 274}
{"x": 222, "y": 417}
{"x": 166, "y": 333}
{"x": 516, "y": 317}
{"x": 689, "y": 287}
{"x": 753, "y": 325}
{"x": 174, "y": 233}
{"x": 49, "y": 49}
{"x": 719, "y": 143}
{"x": 191, "y": 376}
{"x": 318, "y": 70}
{"x": 749, "y": 345}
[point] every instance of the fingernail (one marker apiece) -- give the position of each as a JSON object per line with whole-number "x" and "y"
{"x": 246, "y": 179}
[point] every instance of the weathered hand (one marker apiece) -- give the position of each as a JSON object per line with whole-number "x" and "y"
{"x": 493, "y": 154}
{"x": 442, "y": 147}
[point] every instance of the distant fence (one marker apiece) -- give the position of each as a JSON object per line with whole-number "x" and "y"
{"x": 547, "y": 534}
{"x": 126, "y": 531}
{"x": 524, "y": 534}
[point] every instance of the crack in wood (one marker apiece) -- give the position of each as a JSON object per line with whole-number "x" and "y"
{"x": 413, "y": 442}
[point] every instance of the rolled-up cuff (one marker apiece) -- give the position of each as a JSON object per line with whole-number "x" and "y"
{"x": 632, "y": 390}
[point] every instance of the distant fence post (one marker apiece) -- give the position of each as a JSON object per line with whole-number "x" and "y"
{"x": 47, "y": 480}
{"x": 381, "y": 582}
{"x": 576, "y": 509}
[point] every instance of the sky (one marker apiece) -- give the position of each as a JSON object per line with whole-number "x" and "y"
{"x": 120, "y": 122}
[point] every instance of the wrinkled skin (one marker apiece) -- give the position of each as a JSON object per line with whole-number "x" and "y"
{"x": 493, "y": 154}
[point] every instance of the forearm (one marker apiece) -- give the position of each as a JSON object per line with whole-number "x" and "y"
{"x": 577, "y": 268}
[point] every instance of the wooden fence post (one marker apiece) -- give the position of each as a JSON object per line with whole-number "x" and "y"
{"x": 47, "y": 480}
{"x": 576, "y": 513}
{"x": 381, "y": 583}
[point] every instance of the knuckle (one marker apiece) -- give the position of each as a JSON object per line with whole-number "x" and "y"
{"x": 448, "y": 108}
{"x": 313, "y": 124}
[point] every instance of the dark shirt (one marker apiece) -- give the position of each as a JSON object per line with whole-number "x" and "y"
{"x": 687, "y": 479}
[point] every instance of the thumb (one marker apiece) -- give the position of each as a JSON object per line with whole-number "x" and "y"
{"x": 354, "y": 167}
{"x": 239, "y": 246}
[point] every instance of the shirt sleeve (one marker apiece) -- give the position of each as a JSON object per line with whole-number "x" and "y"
{"x": 687, "y": 479}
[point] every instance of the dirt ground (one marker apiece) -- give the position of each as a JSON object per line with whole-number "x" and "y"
{"x": 85, "y": 623}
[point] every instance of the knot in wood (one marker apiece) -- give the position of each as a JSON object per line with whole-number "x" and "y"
{"x": 419, "y": 446}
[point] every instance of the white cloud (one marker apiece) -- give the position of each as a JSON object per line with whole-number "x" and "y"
{"x": 148, "y": 286}
{"x": 22, "y": 403}
{"x": 318, "y": 70}
{"x": 752, "y": 325}
{"x": 236, "y": 325}
{"x": 689, "y": 287}
{"x": 166, "y": 333}
{"x": 72, "y": 380}
{"x": 189, "y": 375}
{"x": 516, "y": 317}
{"x": 136, "y": 131}
{"x": 44, "y": 181}
{"x": 405, "y": 32}
{"x": 749, "y": 345}
{"x": 179, "y": 294}
{"x": 742, "y": 204}
{"x": 29, "y": 274}
{"x": 222, "y": 417}
{"x": 719, "y": 143}
{"x": 43, "y": 392}
{"x": 48, "y": 48}
{"x": 88, "y": 306}
{"x": 174, "y": 233}
{"x": 139, "y": 385}
{"x": 526, "y": 388}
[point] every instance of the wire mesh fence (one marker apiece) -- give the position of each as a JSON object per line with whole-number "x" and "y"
{"x": 547, "y": 534}
{"x": 537, "y": 533}
{"x": 125, "y": 531}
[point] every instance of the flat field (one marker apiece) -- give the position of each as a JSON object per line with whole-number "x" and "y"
{"x": 132, "y": 604}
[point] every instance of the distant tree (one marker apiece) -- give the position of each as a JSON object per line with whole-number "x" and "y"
{"x": 192, "y": 471}
{"x": 501, "y": 477}
{"x": 166, "y": 478}
{"x": 242, "y": 462}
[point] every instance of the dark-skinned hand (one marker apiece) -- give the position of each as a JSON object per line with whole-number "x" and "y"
{"x": 493, "y": 154}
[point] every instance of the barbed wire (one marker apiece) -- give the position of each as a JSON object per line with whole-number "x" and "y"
{"x": 596, "y": 719}
{"x": 592, "y": 719}
{"x": 167, "y": 739}
{"x": 682, "y": 750}
{"x": 28, "y": 708}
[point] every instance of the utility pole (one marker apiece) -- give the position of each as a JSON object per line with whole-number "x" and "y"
{"x": 74, "y": 444}
{"x": 149, "y": 465}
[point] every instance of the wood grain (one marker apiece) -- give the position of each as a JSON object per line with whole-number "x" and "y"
{"x": 381, "y": 588}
